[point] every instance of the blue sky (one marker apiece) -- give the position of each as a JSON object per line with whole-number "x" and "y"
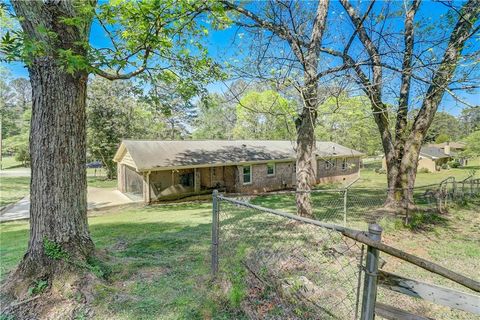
{"x": 222, "y": 48}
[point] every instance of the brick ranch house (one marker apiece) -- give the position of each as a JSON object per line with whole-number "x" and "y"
{"x": 433, "y": 157}
{"x": 163, "y": 170}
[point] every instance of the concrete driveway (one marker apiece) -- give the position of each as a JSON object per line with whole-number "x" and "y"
{"x": 97, "y": 199}
{"x": 17, "y": 172}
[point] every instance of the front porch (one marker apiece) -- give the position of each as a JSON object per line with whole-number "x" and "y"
{"x": 169, "y": 184}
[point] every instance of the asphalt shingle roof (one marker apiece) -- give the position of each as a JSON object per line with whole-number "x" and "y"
{"x": 433, "y": 152}
{"x": 157, "y": 154}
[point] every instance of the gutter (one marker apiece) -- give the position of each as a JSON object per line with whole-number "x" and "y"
{"x": 245, "y": 163}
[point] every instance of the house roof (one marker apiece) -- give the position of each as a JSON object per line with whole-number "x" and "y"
{"x": 433, "y": 152}
{"x": 453, "y": 145}
{"x": 155, "y": 155}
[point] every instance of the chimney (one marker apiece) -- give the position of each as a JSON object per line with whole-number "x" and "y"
{"x": 447, "y": 148}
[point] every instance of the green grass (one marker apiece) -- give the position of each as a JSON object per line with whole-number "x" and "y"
{"x": 10, "y": 163}
{"x": 159, "y": 255}
{"x": 159, "y": 260}
{"x": 101, "y": 182}
{"x": 13, "y": 189}
{"x": 370, "y": 179}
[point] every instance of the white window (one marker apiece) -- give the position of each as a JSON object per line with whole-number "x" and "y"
{"x": 247, "y": 174}
{"x": 328, "y": 164}
{"x": 270, "y": 169}
{"x": 344, "y": 164}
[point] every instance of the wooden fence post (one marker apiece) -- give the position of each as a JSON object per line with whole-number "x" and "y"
{"x": 371, "y": 273}
{"x": 215, "y": 227}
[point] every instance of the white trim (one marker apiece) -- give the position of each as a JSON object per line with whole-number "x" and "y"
{"x": 274, "y": 169}
{"x": 327, "y": 165}
{"x": 251, "y": 174}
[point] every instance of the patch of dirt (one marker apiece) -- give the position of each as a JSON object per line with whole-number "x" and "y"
{"x": 147, "y": 275}
{"x": 120, "y": 245}
{"x": 61, "y": 300}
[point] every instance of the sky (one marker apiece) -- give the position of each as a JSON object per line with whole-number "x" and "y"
{"x": 224, "y": 45}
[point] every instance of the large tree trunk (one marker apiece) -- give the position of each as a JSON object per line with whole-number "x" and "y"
{"x": 58, "y": 210}
{"x": 58, "y": 149}
{"x": 306, "y": 155}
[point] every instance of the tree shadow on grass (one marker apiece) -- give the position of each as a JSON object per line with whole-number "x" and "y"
{"x": 158, "y": 269}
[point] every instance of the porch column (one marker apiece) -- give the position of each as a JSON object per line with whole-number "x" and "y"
{"x": 196, "y": 180}
{"x": 146, "y": 187}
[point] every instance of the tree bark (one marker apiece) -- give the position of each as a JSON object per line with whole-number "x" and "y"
{"x": 402, "y": 150}
{"x": 306, "y": 157}
{"x": 58, "y": 188}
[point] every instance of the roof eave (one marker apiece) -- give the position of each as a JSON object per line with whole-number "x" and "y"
{"x": 238, "y": 163}
{"x": 118, "y": 154}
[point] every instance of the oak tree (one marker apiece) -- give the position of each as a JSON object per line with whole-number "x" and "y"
{"x": 154, "y": 38}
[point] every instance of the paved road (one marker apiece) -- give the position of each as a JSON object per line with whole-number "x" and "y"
{"x": 17, "y": 172}
{"x": 97, "y": 198}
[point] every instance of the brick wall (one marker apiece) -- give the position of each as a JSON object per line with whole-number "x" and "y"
{"x": 261, "y": 182}
{"x": 231, "y": 177}
{"x": 335, "y": 172}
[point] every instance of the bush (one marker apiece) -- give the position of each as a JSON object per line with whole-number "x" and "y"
{"x": 454, "y": 164}
{"x": 380, "y": 170}
{"x": 23, "y": 156}
{"x": 445, "y": 166}
{"x": 423, "y": 170}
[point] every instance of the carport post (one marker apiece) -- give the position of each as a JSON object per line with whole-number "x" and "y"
{"x": 215, "y": 221}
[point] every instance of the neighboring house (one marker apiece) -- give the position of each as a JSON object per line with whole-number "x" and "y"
{"x": 454, "y": 149}
{"x": 453, "y": 146}
{"x": 159, "y": 170}
{"x": 430, "y": 158}
{"x": 433, "y": 158}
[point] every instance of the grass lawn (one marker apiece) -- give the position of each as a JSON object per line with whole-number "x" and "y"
{"x": 370, "y": 179}
{"x": 101, "y": 182}
{"x": 10, "y": 163}
{"x": 13, "y": 189}
{"x": 160, "y": 257}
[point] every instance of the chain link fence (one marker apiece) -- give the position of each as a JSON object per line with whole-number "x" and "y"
{"x": 356, "y": 207}
{"x": 274, "y": 267}
{"x": 273, "y": 264}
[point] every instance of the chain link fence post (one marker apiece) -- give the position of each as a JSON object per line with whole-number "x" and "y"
{"x": 215, "y": 226}
{"x": 345, "y": 207}
{"x": 371, "y": 272}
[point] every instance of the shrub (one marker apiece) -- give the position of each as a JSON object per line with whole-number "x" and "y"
{"x": 23, "y": 155}
{"x": 445, "y": 166}
{"x": 38, "y": 287}
{"x": 454, "y": 164}
{"x": 423, "y": 170}
{"x": 380, "y": 170}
